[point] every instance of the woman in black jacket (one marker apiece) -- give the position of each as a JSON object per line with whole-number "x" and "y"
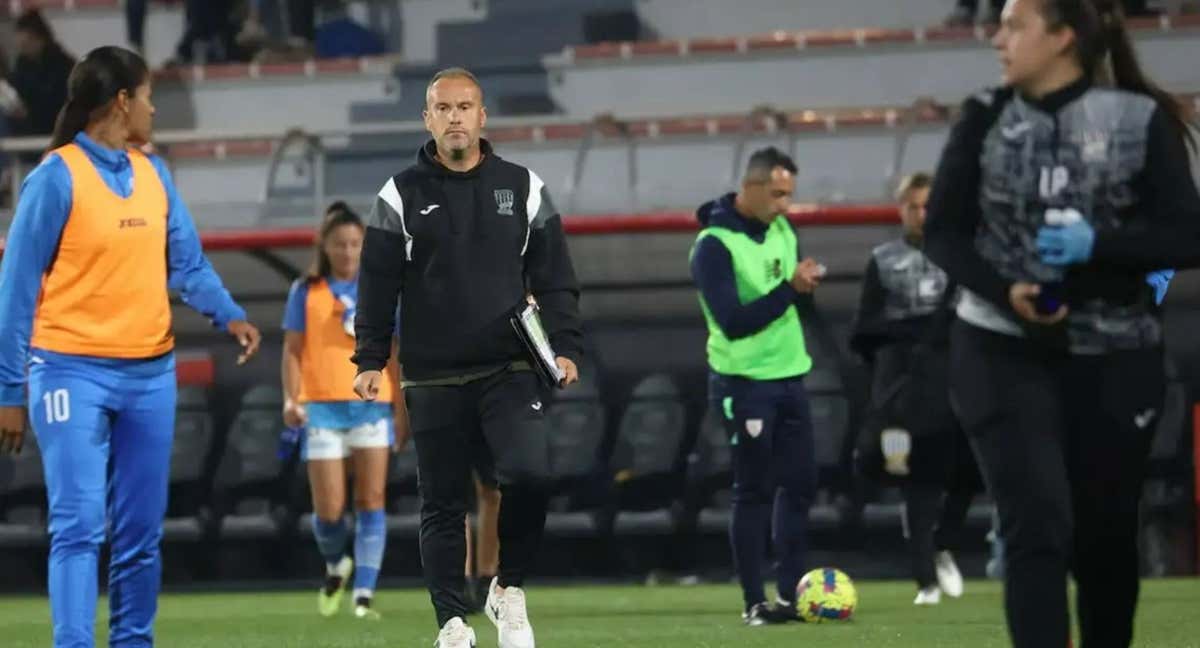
{"x": 1055, "y": 197}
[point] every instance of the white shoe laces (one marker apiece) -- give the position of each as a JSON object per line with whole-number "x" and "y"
{"x": 512, "y": 609}
{"x": 454, "y": 635}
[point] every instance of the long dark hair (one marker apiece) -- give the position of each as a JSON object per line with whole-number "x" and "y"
{"x": 1100, "y": 38}
{"x": 338, "y": 214}
{"x": 94, "y": 83}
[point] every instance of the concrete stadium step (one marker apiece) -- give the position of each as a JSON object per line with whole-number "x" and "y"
{"x": 818, "y": 68}
{"x": 710, "y": 18}
{"x": 314, "y": 94}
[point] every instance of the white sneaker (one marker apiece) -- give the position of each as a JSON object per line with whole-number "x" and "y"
{"x": 455, "y": 634}
{"x": 949, "y": 578}
{"x": 507, "y": 611}
{"x": 928, "y": 596}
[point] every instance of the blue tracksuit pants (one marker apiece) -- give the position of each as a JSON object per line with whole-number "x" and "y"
{"x": 774, "y": 477}
{"x": 104, "y": 428}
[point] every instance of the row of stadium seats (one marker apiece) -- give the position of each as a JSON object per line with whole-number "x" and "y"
{"x": 629, "y": 478}
{"x": 651, "y": 471}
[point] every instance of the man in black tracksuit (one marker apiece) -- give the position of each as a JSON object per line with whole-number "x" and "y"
{"x": 902, "y": 332}
{"x": 465, "y": 236}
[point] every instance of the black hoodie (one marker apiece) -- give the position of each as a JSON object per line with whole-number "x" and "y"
{"x": 713, "y": 273}
{"x": 463, "y": 248}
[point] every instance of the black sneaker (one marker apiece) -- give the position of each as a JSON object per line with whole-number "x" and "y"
{"x": 787, "y": 611}
{"x": 763, "y": 614}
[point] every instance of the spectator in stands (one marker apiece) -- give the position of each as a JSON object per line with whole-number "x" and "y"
{"x": 1055, "y": 196}
{"x": 12, "y": 111}
{"x": 302, "y": 22}
{"x": 135, "y": 25}
{"x": 911, "y": 433}
{"x": 746, "y": 265}
{"x": 209, "y": 32}
{"x": 966, "y": 10}
{"x": 318, "y": 380}
{"x": 279, "y": 30}
{"x": 40, "y": 74}
{"x": 99, "y": 239}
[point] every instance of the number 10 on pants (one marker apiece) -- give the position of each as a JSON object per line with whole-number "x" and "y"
{"x": 58, "y": 406}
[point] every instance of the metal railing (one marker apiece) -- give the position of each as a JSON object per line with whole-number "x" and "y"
{"x": 313, "y": 146}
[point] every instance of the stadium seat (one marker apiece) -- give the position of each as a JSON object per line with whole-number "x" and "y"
{"x": 647, "y": 458}
{"x": 403, "y": 505}
{"x": 187, "y": 509}
{"x": 709, "y": 480}
{"x": 23, "y": 507}
{"x": 830, "y": 416}
{"x": 577, "y": 421}
{"x": 710, "y": 465}
{"x": 578, "y": 424}
{"x": 250, "y": 486}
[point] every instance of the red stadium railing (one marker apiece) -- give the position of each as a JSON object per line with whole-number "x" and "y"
{"x": 802, "y": 215}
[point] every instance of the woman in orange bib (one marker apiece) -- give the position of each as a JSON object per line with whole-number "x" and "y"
{"x": 318, "y": 380}
{"x": 99, "y": 238}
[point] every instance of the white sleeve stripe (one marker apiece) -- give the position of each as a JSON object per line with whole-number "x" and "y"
{"x": 390, "y": 194}
{"x": 533, "y": 204}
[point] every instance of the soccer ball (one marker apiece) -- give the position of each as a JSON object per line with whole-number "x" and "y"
{"x": 826, "y": 594}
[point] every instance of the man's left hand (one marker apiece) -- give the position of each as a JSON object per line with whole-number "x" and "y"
{"x": 1064, "y": 245}
{"x": 570, "y": 371}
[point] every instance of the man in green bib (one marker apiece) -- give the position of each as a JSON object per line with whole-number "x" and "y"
{"x": 747, "y": 267}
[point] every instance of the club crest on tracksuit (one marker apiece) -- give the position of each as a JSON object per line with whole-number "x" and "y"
{"x": 754, "y": 427}
{"x": 504, "y": 201}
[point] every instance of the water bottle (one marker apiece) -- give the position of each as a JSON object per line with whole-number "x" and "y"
{"x": 1052, "y": 296}
{"x": 289, "y": 442}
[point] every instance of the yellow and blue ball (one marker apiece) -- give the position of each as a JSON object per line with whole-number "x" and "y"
{"x": 826, "y": 595}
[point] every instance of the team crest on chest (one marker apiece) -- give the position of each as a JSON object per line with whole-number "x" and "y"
{"x": 504, "y": 201}
{"x": 775, "y": 269}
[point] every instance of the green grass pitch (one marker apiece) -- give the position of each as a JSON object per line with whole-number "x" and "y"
{"x": 606, "y": 616}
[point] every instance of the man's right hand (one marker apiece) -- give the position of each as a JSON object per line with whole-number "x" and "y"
{"x": 294, "y": 415}
{"x": 807, "y": 276}
{"x": 12, "y": 428}
{"x": 366, "y": 384}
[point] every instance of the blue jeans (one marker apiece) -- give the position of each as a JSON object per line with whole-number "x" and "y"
{"x": 104, "y": 428}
